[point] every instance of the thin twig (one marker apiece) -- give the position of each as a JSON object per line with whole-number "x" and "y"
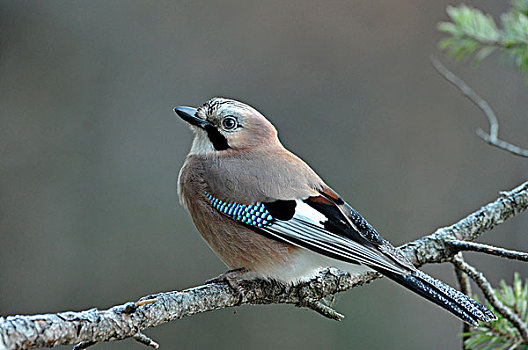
{"x": 83, "y": 345}
{"x": 459, "y": 246}
{"x": 493, "y": 136}
{"x": 143, "y": 339}
{"x": 463, "y": 280}
{"x": 465, "y": 287}
{"x": 502, "y": 144}
{"x": 486, "y": 288}
{"x": 322, "y": 309}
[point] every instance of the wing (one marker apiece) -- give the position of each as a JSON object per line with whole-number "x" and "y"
{"x": 324, "y": 224}
{"x": 328, "y": 225}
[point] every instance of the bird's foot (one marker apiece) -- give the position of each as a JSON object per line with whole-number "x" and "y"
{"x": 231, "y": 278}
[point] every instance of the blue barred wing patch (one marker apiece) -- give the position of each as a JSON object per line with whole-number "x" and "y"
{"x": 252, "y": 214}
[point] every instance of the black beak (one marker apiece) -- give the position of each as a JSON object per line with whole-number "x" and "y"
{"x": 189, "y": 115}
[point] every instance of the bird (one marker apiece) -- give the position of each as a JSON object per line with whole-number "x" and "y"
{"x": 267, "y": 214}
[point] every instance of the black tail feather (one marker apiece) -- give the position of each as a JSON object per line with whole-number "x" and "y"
{"x": 445, "y": 296}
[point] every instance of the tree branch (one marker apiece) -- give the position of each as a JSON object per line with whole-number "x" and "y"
{"x": 493, "y": 136}
{"x": 465, "y": 287}
{"x": 130, "y": 319}
{"x": 487, "y": 249}
{"x": 486, "y": 288}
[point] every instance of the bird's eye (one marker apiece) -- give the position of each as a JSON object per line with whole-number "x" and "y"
{"x": 229, "y": 123}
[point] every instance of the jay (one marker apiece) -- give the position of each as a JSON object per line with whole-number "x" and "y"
{"x": 264, "y": 211}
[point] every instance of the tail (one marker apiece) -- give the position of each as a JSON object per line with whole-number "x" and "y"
{"x": 438, "y": 292}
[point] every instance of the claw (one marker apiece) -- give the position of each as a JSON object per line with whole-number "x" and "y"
{"x": 231, "y": 278}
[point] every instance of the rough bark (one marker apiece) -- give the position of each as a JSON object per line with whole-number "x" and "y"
{"x": 129, "y": 319}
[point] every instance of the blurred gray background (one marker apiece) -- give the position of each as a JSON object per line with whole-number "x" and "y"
{"x": 91, "y": 149}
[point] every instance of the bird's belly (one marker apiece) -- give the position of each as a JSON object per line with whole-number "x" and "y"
{"x": 238, "y": 246}
{"x": 303, "y": 265}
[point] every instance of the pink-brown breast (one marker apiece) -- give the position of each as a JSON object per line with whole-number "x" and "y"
{"x": 236, "y": 245}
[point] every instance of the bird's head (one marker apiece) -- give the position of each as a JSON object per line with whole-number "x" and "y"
{"x": 223, "y": 125}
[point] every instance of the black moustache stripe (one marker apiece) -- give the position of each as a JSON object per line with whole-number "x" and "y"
{"x": 217, "y": 139}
